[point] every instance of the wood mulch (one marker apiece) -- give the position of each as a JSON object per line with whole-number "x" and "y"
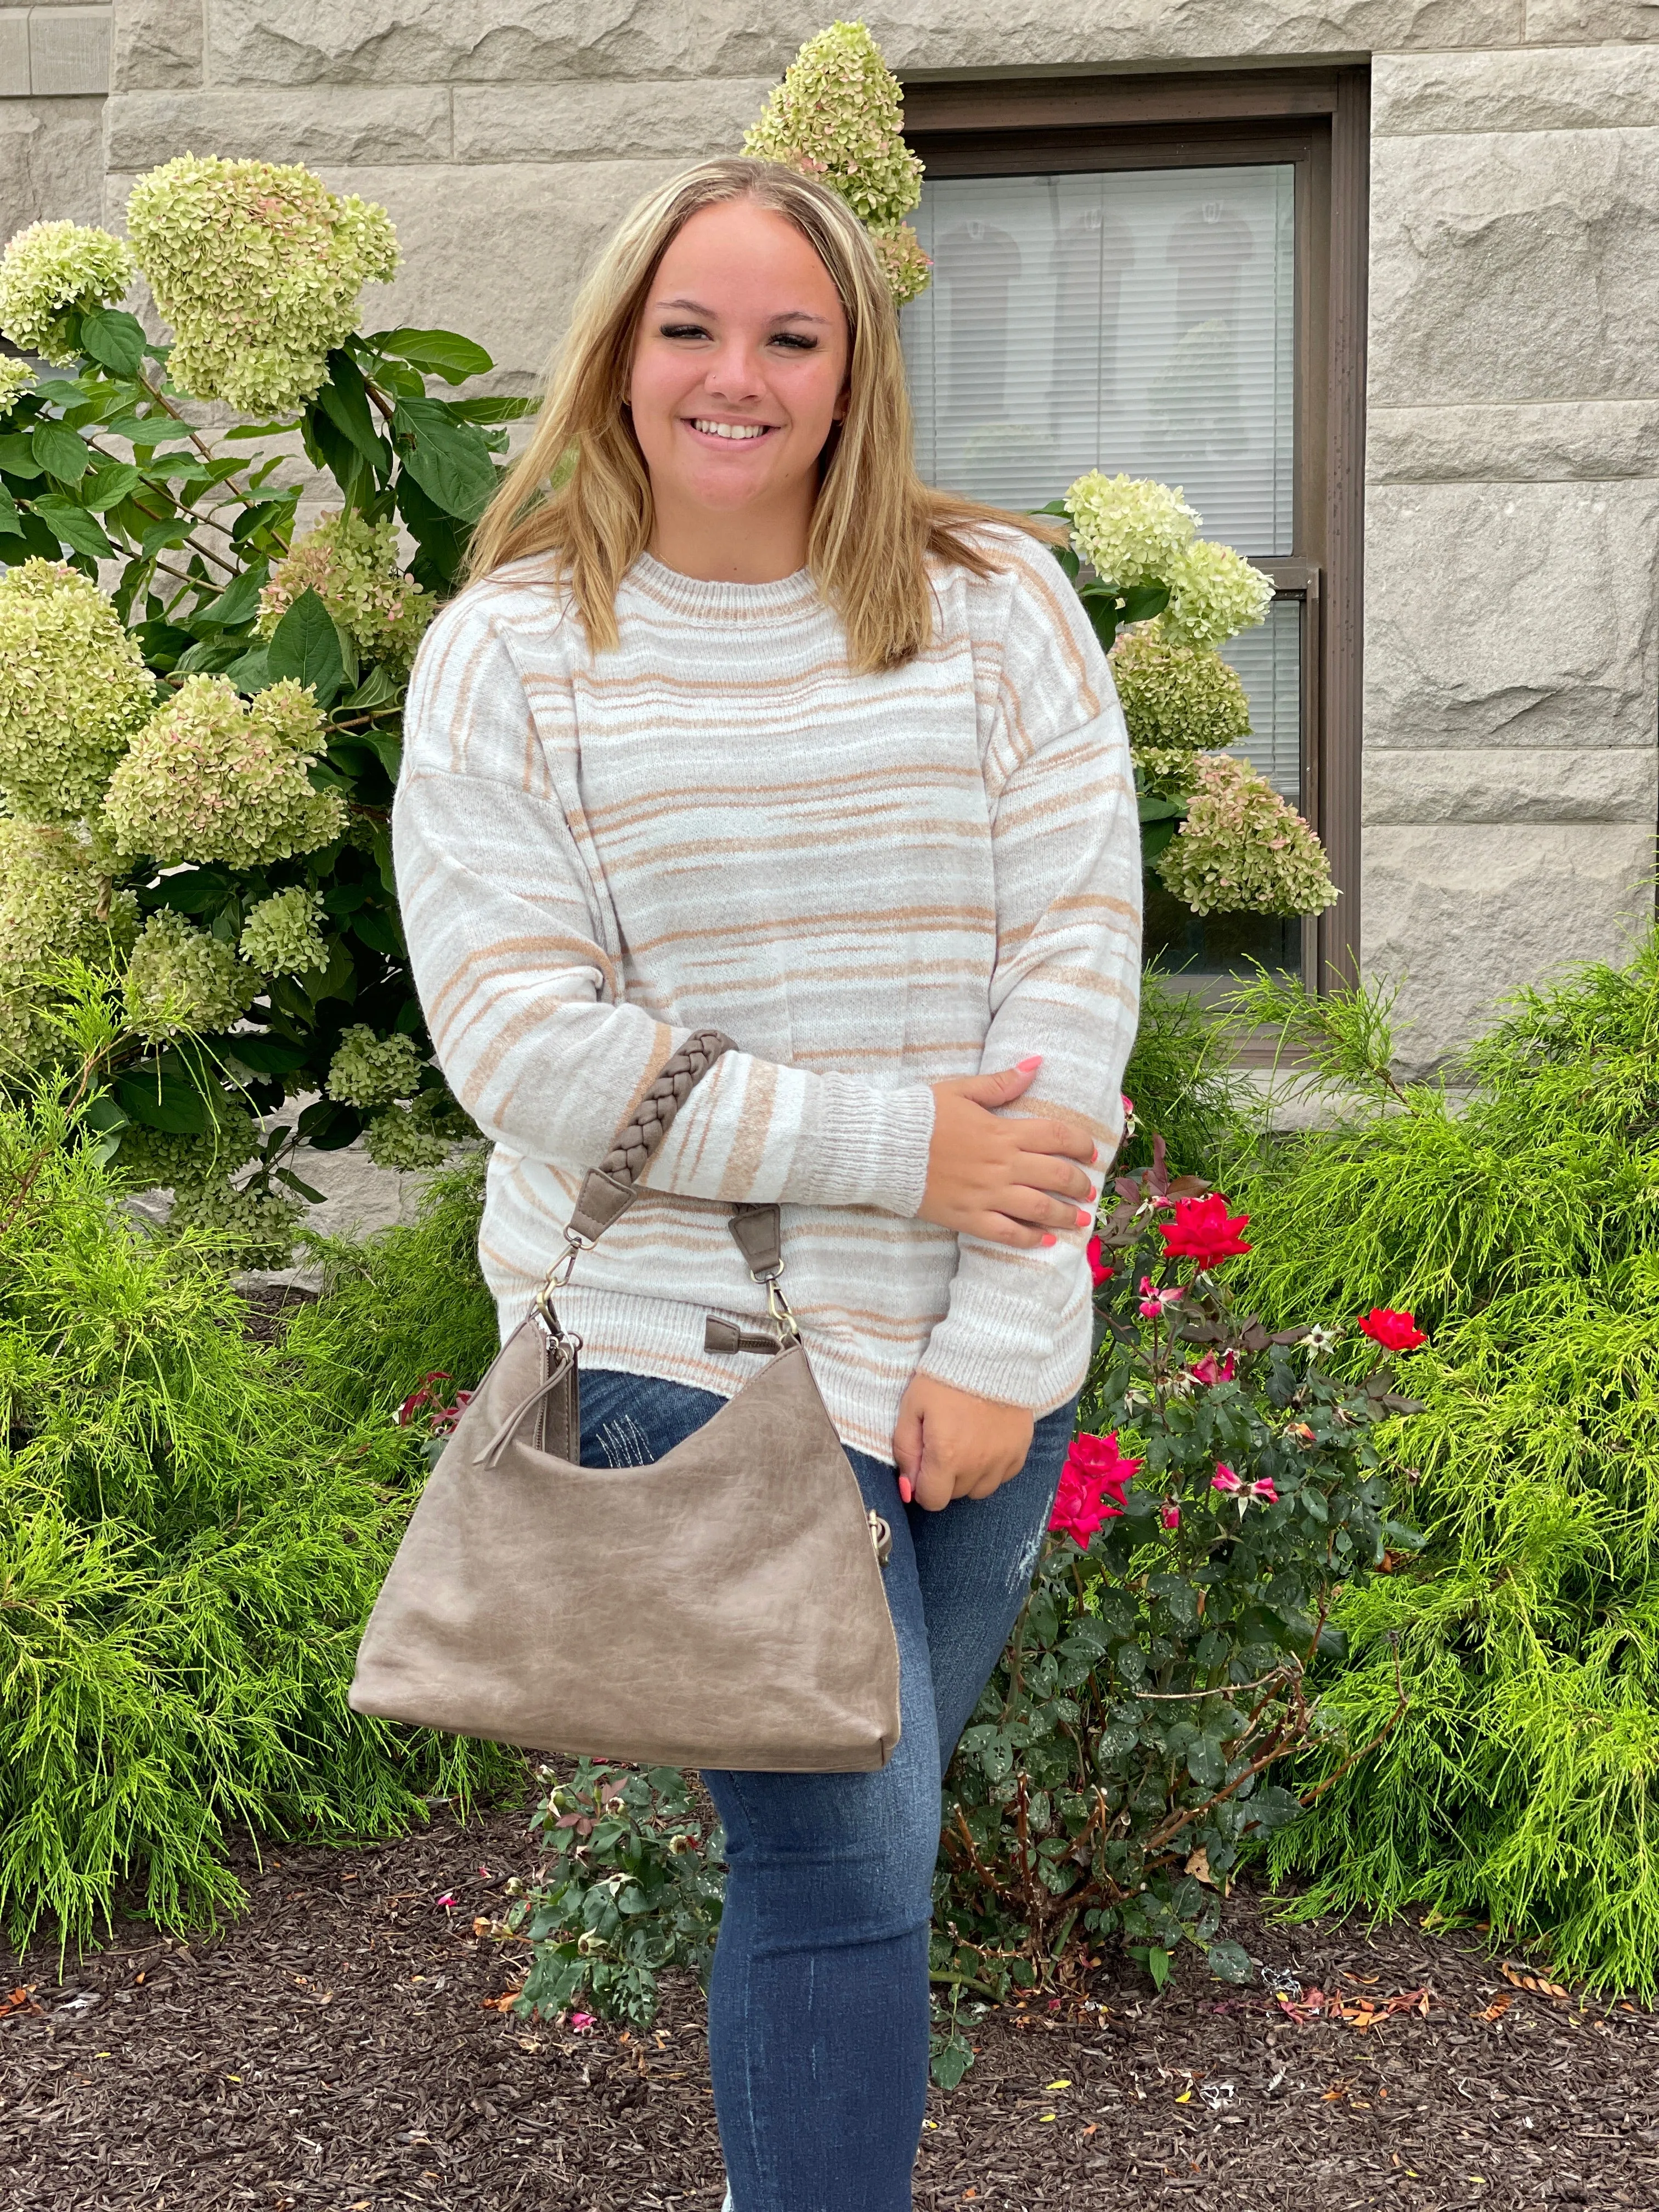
{"x": 339, "y": 2048}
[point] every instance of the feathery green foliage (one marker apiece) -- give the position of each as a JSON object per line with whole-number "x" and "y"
{"x": 192, "y": 1529}
{"x": 1522, "y": 1786}
{"x": 1183, "y": 1086}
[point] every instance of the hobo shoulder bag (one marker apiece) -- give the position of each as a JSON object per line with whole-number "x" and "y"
{"x": 722, "y": 1607}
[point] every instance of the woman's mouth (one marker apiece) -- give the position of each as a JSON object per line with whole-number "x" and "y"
{"x": 732, "y": 433}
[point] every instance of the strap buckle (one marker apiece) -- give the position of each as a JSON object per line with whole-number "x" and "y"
{"x": 557, "y": 1276}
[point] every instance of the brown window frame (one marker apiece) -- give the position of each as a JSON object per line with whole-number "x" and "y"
{"x": 1319, "y": 121}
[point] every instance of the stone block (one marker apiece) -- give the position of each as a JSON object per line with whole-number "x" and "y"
{"x": 1596, "y": 438}
{"x": 1416, "y": 785}
{"x": 1513, "y": 615}
{"x": 69, "y": 52}
{"x": 1510, "y": 266}
{"x": 526, "y": 41}
{"x": 52, "y": 162}
{"x": 1557, "y": 88}
{"x": 158, "y": 45}
{"x": 318, "y": 124}
{"x": 1562, "y": 22}
{"x": 1462, "y": 915}
{"x": 14, "y": 54}
{"x": 606, "y": 119}
{"x": 497, "y": 252}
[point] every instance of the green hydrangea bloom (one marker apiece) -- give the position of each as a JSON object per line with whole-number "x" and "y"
{"x": 15, "y": 378}
{"x": 839, "y": 115}
{"x": 73, "y": 688}
{"x": 54, "y": 269}
{"x": 182, "y": 983}
{"x": 1214, "y": 593}
{"x": 250, "y": 1229}
{"x": 1176, "y": 699}
{"x": 1130, "y": 530}
{"x": 215, "y": 777}
{"x": 422, "y": 1135}
{"x": 1243, "y": 850}
{"x": 56, "y": 904}
{"x": 282, "y": 934}
{"x": 258, "y": 267}
{"x": 352, "y": 566}
{"x": 161, "y": 1159}
{"x": 367, "y": 1070}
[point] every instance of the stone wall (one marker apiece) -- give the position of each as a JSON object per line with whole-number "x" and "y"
{"x": 1513, "y": 502}
{"x": 54, "y": 74}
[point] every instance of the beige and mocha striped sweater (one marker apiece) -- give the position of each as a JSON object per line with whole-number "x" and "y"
{"x": 869, "y": 883}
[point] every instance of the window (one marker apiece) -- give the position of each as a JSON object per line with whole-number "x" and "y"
{"x": 1142, "y": 274}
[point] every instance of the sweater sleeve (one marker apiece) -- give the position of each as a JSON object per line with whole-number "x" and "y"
{"x": 1066, "y": 845}
{"x": 516, "y": 965}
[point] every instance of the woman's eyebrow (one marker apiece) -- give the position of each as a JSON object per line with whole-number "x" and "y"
{"x": 789, "y": 314}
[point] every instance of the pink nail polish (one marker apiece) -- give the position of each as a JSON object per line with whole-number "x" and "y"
{"x": 1082, "y": 1219}
{"x": 1026, "y": 1066}
{"x": 1051, "y": 1239}
{"x": 906, "y": 1492}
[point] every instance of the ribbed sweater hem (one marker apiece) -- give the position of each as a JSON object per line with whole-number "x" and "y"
{"x": 663, "y": 1337}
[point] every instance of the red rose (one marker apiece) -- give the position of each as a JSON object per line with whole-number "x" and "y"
{"x": 1093, "y": 1466}
{"x": 1098, "y": 1267}
{"x": 1394, "y": 1332}
{"x": 1204, "y": 1230}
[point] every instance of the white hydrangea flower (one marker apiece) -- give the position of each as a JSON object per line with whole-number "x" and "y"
{"x": 352, "y": 565}
{"x": 282, "y": 934}
{"x": 1214, "y": 593}
{"x": 1130, "y": 530}
{"x": 1177, "y": 701}
{"x": 15, "y": 378}
{"x": 257, "y": 266}
{"x": 54, "y": 269}
{"x": 73, "y": 689}
{"x": 1242, "y": 849}
{"x": 55, "y": 903}
{"x": 180, "y": 981}
{"x": 367, "y": 1070}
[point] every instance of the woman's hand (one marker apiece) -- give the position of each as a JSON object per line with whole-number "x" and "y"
{"x": 950, "y": 1444}
{"x": 1011, "y": 1182}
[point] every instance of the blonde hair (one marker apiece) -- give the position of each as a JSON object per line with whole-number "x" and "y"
{"x": 581, "y": 489}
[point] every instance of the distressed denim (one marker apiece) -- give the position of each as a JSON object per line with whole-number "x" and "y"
{"x": 817, "y": 2005}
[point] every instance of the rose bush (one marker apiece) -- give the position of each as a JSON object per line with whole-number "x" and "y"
{"x": 1226, "y": 1486}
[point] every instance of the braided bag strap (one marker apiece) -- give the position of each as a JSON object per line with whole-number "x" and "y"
{"x": 654, "y": 1115}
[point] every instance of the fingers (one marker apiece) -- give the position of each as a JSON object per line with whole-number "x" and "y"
{"x": 997, "y": 1089}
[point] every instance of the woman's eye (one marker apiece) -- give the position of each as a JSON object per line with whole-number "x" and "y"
{"x": 795, "y": 342}
{"x": 684, "y": 331}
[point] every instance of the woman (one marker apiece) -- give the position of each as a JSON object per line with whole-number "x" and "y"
{"x": 740, "y": 724}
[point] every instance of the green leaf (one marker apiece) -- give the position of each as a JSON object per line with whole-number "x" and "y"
{"x": 240, "y": 600}
{"x": 436, "y": 353}
{"x": 60, "y": 452}
{"x": 1142, "y": 601}
{"x": 312, "y": 1196}
{"x": 344, "y": 400}
{"x": 149, "y": 430}
{"x": 493, "y": 411}
{"x": 164, "y": 537}
{"x": 378, "y": 927}
{"x": 449, "y": 460}
{"x": 73, "y": 525}
{"x": 1230, "y": 1961}
{"x": 251, "y": 672}
{"x": 163, "y": 1101}
{"x": 267, "y": 1055}
{"x": 306, "y": 648}
{"x": 17, "y": 455}
{"x": 113, "y": 482}
{"x": 114, "y": 339}
{"x": 11, "y": 523}
{"x": 380, "y": 688}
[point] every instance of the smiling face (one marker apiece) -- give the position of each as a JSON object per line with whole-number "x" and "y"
{"x": 738, "y": 377}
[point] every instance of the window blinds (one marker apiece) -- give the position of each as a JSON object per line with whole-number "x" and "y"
{"x": 1132, "y": 320}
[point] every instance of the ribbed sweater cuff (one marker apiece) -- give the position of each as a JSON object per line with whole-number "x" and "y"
{"x": 994, "y": 1345}
{"x": 869, "y": 1147}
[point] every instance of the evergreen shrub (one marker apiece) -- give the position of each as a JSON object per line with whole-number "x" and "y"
{"x": 1522, "y": 1226}
{"x": 192, "y": 1527}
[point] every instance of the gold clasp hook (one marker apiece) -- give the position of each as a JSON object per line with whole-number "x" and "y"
{"x": 778, "y": 1306}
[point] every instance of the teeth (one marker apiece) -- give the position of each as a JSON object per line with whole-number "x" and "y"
{"x": 740, "y": 430}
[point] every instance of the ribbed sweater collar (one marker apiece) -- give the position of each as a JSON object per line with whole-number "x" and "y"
{"x": 703, "y": 601}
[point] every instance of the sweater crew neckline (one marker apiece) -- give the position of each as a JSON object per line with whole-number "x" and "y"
{"x": 707, "y": 600}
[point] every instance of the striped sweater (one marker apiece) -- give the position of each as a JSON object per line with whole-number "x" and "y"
{"x": 869, "y": 883}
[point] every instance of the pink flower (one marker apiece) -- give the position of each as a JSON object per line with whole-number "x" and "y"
{"x": 1094, "y": 1467}
{"x": 1204, "y": 1230}
{"x": 1098, "y": 1267}
{"x": 1224, "y": 1479}
{"x": 1394, "y": 1332}
{"x": 1128, "y": 1106}
{"x": 1153, "y": 1302}
{"x": 1171, "y": 1516}
{"x": 580, "y": 2023}
{"x": 448, "y": 1898}
{"x": 1209, "y": 1372}
{"x": 1264, "y": 1490}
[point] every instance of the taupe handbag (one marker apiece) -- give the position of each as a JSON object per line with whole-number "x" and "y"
{"x": 723, "y": 1607}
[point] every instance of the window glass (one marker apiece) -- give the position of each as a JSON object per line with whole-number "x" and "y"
{"x": 1139, "y": 320}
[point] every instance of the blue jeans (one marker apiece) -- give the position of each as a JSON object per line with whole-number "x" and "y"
{"x": 817, "y": 2005}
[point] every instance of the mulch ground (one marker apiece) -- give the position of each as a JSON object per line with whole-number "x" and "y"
{"x": 340, "y": 2048}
